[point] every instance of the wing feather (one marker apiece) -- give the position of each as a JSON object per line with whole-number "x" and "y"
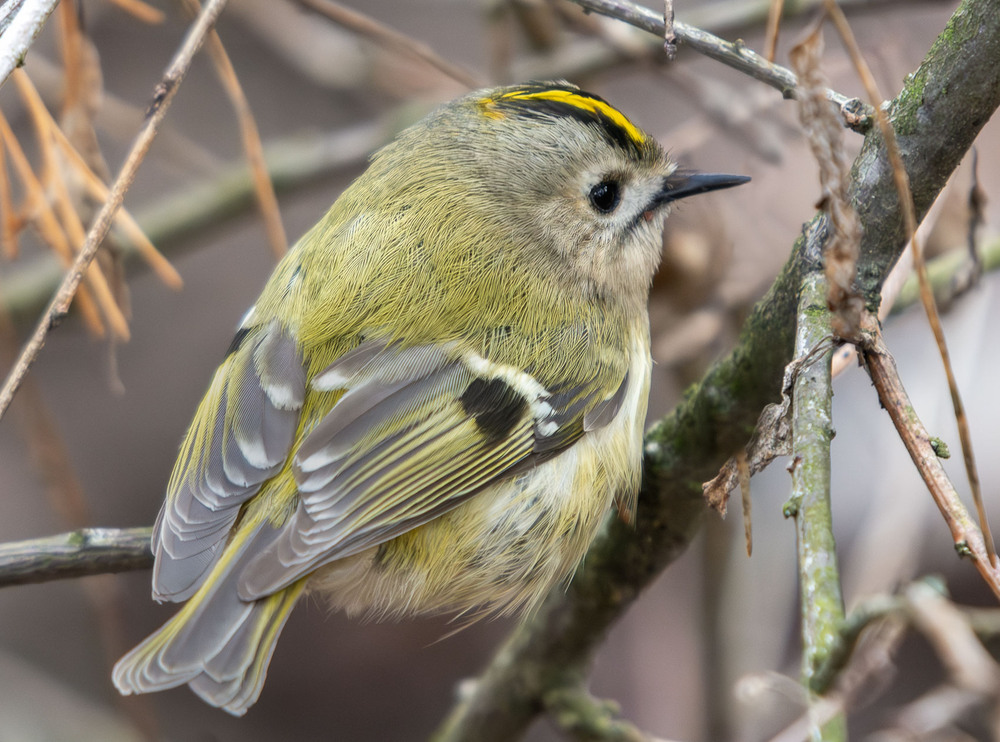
{"x": 241, "y": 436}
{"x": 398, "y": 449}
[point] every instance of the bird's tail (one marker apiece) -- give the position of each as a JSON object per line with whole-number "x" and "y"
{"x": 217, "y": 644}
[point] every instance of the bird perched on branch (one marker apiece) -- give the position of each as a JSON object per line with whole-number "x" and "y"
{"x": 437, "y": 397}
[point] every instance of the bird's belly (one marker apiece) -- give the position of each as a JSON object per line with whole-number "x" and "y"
{"x": 498, "y": 551}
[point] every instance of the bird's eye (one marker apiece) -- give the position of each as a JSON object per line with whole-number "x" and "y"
{"x": 605, "y": 196}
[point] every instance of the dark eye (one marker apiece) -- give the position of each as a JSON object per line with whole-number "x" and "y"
{"x": 605, "y": 196}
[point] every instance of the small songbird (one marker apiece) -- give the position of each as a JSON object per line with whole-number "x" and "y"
{"x": 437, "y": 397}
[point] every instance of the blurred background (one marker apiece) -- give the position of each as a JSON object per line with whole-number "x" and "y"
{"x": 707, "y": 652}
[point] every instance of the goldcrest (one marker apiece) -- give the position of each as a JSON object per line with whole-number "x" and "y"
{"x": 437, "y": 397}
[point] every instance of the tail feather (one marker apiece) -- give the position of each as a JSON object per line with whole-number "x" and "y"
{"x": 217, "y": 643}
{"x": 233, "y": 678}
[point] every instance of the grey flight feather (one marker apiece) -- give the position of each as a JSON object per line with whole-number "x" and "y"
{"x": 216, "y": 645}
{"x": 257, "y": 395}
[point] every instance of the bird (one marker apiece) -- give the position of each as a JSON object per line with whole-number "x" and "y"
{"x": 438, "y": 396}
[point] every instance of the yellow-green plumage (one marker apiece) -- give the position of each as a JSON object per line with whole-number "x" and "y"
{"x": 437, "y": 396}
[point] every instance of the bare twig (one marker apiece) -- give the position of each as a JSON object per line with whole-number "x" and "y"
{"x": 140, "y": 10}
{"x": 773, "y": 27}
{"x": 872, "y": 659}
{"x": 878, "y": 624}
{"x": 88, "y": 551}
{"x": 162, "y": 97}
{"x": 893, "y": 288}
{"x": 46, "y": 222}
{"x": 743, "y": 470}
{"x": 948, "y": 630}
{"x": 908, "y": 208}
{"x": 973, "y": 679}
{"x": 390, "y": 38}
{"x": 98, "y": 190}
{"x": 669, "y": 37}
{"x": 266, "y": 199}
{"x": 863, "y": 616}
{"x": 114, "y": 317}
{"x": 734, "y": 54}
{"x": 8, "y": 221}
{"x": 919, "y": 444}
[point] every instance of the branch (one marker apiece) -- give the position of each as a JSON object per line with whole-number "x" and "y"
{"x": 20, "y": 22}
{"x": 812, "y": 430}
{"x": 925, "y": 453}
{"x": 732, "y": 54}
{"x": 88, "y": 551}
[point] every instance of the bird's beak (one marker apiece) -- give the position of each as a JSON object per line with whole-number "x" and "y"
{"x": 684, "y": 184}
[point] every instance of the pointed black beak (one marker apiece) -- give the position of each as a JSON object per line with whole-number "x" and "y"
{"x": 682, "y": 185}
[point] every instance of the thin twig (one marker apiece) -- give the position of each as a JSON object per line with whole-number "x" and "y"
{"x": 98, "y": 190}
{"x": 734, "y": 54}
{"x": 669, "y": 37}
{"x": 976, "y": 201}
{"x": 8, "y": 227}
{"x": 862, "y": 616}
{"x": 908, "y": 208}
{"x": 140, "y": 10}
{"x": 45, "y": 221}
{"x": 88, "y": 551}
{"x": 162, "y": 96}
{"x": 390, "y": 38}
{"x": 773, "y": 27}
{"x": 966, "y": 534}
{"x": 113, "y": 315}
{"x": 948, "y": 630}
{"x": 893, "y": 287}
{"x": 267, "y": 201}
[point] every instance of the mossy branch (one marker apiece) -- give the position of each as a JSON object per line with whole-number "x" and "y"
{"x": 939, "y": 113}
{"x": 88, "y": 551}
{"x": 822, "y": 608}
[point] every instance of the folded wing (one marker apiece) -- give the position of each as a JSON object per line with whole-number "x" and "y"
{"x": 241, "y": 435}
{"x": 417, "y": 431}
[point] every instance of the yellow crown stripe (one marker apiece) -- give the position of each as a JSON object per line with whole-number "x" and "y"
{"x": 583, "y": 102}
